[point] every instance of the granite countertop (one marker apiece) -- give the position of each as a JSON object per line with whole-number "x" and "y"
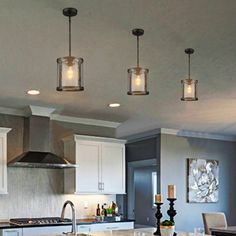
{"x": 6, "y": 224}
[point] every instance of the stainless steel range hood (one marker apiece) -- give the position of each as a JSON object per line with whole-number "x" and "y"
{"x": 36, "y": 142}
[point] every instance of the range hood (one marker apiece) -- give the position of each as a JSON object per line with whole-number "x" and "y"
{"x": 36, "y": 141}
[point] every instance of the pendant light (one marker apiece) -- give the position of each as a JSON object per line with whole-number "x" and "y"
{"x": 69, "y": 68}
{"x": 189, "y": 86}
{"x": 137, "y": 76}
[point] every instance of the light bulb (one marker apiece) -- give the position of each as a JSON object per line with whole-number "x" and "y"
{"x": 189, "y": 89}
{"x": 70, "y": 72}
{"x": 138, "y": 80}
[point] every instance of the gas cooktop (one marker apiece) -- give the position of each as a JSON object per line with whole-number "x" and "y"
{"x": 39, "y": 221}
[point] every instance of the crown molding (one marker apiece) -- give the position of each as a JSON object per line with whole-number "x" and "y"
{"x": 42, "y": 111}
{"x": 197, "y": 134}
{"x": 142, "y": 136}
{"x": 39, "y": 111}
{"x": 47, "y": 112}
{"x": 85, "y": 121}
{"x": 181, "y": 133}
{"x": 4, "y": 130}
{"x": 12, "y": 111}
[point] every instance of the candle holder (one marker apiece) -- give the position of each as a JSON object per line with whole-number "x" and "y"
{"x": 171, "y": 212}
{"x": 158, "y": 216}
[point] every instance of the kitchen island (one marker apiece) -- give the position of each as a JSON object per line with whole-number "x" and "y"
{"x": 130, "y": 232}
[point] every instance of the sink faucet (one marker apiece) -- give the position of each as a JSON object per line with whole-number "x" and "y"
{"x": 73, "y": 231}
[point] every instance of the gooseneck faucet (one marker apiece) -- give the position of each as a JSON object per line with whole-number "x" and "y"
{"x": 73, "y": 231}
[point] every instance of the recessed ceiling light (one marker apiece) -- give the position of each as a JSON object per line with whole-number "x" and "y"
{"x": 33, "y": 92}
{"x": 114, "y": 105}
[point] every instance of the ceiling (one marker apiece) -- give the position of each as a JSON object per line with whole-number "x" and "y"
{"x": 34, "y": 33}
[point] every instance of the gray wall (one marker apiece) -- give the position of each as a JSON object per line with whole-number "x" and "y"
{"x": 142, "y": 150}
{"x": 30, "y": 189}
{"x": 174, "y": 152}
{"x": 15, "y": 136}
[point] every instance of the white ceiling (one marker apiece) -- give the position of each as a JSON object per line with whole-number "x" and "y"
{"x": 33, "y": 34}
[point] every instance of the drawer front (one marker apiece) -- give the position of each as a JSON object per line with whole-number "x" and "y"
{"x": 83, "y": 228}
{"x": 112, "y": 226}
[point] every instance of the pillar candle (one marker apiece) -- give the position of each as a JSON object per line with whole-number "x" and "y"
{"x": 171, "y": 191}
{"x": 158, "y": 198}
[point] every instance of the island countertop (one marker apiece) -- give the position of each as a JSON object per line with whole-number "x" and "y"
{"x": 130, "y": 232}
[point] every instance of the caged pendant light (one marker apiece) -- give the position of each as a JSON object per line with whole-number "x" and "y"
{"x": 137, "y": 76}
{"x": 69, "y": 68}
{"x": 189, "y": 86}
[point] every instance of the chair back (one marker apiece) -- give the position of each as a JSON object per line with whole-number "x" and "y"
{"x": 212, "y": 220}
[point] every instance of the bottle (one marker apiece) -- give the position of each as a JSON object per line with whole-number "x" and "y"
{"x": 102, "y": 213}
{"x": 98, "y": 211}
{"x": 104, "y": 209}
{"x": 113, "y": 207}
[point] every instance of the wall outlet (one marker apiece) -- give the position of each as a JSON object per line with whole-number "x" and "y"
{"x": 85, "y": 204}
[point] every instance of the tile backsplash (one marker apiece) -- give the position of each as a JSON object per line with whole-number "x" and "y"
{"x": 36, "y": 192}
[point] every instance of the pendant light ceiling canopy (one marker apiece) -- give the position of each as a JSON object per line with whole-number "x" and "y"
{"x": 69, "y": 68}
{"x": 189, "y": 86}
{"x": 137, "y": 76}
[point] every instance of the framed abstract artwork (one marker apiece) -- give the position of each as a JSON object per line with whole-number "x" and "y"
{"x": 202, "y": 180}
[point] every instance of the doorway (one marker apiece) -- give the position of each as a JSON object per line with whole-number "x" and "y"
{"x": 141, "y": 189}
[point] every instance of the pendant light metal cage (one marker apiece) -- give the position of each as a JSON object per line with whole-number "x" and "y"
{"x": 189, "y": 86}
{"x": 138, "y": 76}
{"x": 70, "y": 68}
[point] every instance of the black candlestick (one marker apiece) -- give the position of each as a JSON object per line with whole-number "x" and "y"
{"x": 171, "y": 212}
{"x": 158, "y": 216}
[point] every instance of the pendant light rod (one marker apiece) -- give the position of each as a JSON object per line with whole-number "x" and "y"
{"x": 69, "y": 68}
{"x": 189, "y": 51}
{"x": 137, "y": 51}
{"x": 137, "y": 33}
{"x": 70, "y": 12}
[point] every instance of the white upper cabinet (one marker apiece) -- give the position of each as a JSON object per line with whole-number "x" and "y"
{"x": 3, "y": 160}
{"x": 101, "y": 165}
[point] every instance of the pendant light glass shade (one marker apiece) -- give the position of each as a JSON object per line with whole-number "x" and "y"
{"x": 69, "y": 68}
{"x": 138, "y": 81}
{"x": 189, "y": 90}
{"x": 189, "y": 86}
{"x": 69, "y": 74}
{"x": 137, "y": 76}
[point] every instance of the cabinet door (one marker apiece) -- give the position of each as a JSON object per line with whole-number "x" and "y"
{"x": 12, "y": 232}
{"x": 113, "y": 168}
{"x": 47, "y": 230}
{"x": 87, "y": 174}
{"x": 3, "y": 164}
